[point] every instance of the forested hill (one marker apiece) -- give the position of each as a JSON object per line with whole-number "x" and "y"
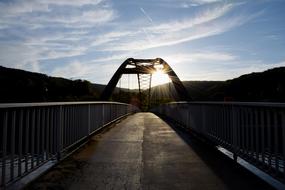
{"x": 267, "y": 86}
{"x": 22, "y": 86}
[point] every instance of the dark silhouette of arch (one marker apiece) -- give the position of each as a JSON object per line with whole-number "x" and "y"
{"x": 145, "y": 66}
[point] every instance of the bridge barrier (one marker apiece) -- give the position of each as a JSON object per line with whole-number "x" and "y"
{"x": 254, "y": 132}
{"x": 33, "y": 134}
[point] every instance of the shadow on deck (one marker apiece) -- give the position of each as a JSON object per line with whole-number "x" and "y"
{"x": 146, "y": 152}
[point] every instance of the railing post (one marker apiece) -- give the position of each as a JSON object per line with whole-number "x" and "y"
{"x": 234, "y": 133}
{"x": 4, "y": 148}
{"x": 13, "y": 142}
{"x": 204, "y": 119}
{"x": 59, "y": 133}
{"x": 89, "y": 124}
{"x": 283, "y": 139}
{"x": 103, "y": 115}
{"x": 20, "y": 145}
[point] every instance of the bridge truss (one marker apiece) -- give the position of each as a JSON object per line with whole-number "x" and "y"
{"x": 144, "y": 69}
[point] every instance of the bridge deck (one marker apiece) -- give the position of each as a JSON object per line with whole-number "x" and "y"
{"x": 143, "y": 152}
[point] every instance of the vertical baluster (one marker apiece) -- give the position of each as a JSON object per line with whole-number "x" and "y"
{"x": 251, "y": 125}
{"x": 240, "y": 135}
{"x": 38, "y": 129}
{"x": 47, "y": 133}
{"x": 69, "y": 120}
{"x": 234, "y": 132}
{"x": 20, "y": 143}
{"x": 226, "y": 133}
{"x": 89, "y": 120}
{"x": 216, "y": 127}
{"x": 103, "y": 114}
{"x": 242, "y": 129}
{"x": 43, "y": 135}
{"x": 12, "y": 156}
{"x": 268, "y": 126}
{"x": 4, "y": 147}
{"x": 245, "y": 131}
{"x": 221, "y": 124}
{"x": 56, "y": 132}
{"x": 225, "y": 124}
{"x": 223, "y": 130}
{"x": 74, "y": 125}
{"x": 236, "y": 128}
{"x": 262, "y": 120}
{"x": 215, "y": 124}
{"x": 78, "y": 130}
{"x": 257, "y": 135}
{"x": 59, "y": 132}
{"x": 67, "y": 125}
{"x": 64, "y": 125}
{"x": 27, "y": 139}
{"x": 228, "y": 126}
{"x": 283, "y": 140}
{"x": 52, "y": 131}
{"x": 276, "y": 139}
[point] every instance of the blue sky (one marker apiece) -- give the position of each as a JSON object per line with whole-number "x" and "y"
{"x": 89, "y": 39}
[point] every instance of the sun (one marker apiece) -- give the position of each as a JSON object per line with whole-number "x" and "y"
{"x": 159, "y": 77}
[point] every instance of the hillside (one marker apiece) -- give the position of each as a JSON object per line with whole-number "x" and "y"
{"x": 267, "y": 86}
{"x": 23, "y": 86}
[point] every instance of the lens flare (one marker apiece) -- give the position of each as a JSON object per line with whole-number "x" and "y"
{"x": 159, "y": 77}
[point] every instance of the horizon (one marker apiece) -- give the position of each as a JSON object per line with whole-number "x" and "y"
{"x": 134, "y": 87}
{"x": 202, "y": 40}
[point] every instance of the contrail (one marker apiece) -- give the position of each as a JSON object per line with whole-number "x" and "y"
{"x": 147, "y": 35}
{"x": 145, "y": 14}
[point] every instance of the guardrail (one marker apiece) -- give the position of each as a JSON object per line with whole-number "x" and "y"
{"x": 33, "y": 134}
{"x": 254, "y": 132}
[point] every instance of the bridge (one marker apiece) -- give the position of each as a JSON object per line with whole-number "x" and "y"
{"x": 113, "y": 145}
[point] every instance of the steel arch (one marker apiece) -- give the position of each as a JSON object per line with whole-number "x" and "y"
{"x": 145, "y": 66}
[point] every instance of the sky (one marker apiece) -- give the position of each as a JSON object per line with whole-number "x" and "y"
{"x": 89, "y": 39}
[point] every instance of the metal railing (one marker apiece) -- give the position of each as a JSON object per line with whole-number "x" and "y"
{"x": 254, "y": 132}
{"x": 33, "y": 134}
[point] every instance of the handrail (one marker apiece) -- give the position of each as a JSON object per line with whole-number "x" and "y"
{"x": 14, "y": 105}
{"x": 262, "y": 104}
{"x": 32, "y": 134}
{"x": 253, "y": 131}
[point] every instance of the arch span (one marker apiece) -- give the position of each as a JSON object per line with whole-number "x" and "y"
{"x": 145, "y": 66}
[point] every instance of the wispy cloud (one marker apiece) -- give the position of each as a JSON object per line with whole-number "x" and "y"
{"x": 72, "y": 70}
{"x": 110, "y": 37}
{"x": 19, "y": 56}
{"x": 19, "y": 7}
{"x": 210, "y": 22}
{"x": 209, "y": 66}
{"x": 200, "y": 18}
{"x": 34, "y": 31}
{"x": 116, "y": 56}
{"x": 91, "y": 38}
{"x": 200, "y": 57}
{"x": 99, "y": 73}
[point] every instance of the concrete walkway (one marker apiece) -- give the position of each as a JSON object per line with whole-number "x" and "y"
{"x": 143, "y": 152}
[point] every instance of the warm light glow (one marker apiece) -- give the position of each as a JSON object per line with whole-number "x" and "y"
{"x": 159, "y": 77}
